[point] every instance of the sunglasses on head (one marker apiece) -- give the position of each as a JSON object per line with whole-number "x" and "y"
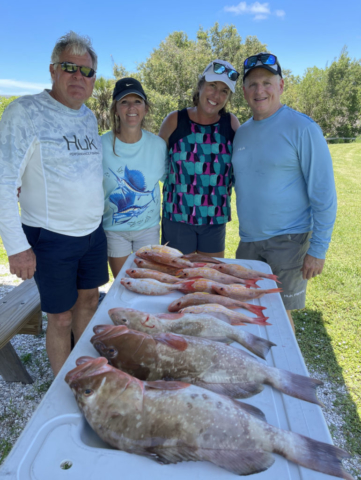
{"x": 264, "y": 58}
{"x": 72, "y": 68}
{"x": 219, "y": 68}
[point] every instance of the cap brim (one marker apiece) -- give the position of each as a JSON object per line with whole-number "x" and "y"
{"x": 128, "y": 92}
{"x": 267, "y": 67}
{"x": 215, "y": 77}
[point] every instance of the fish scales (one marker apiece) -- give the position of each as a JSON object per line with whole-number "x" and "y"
{"x": 199, "y": 361}
{"x": 199, "y": 325}
{"x": 171, "y": 422}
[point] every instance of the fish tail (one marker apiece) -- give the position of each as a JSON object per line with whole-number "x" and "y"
{"x": 272, "y": 277}
{"x": 318, "y": 456}
{"x": 259, "y": 321}
{"x": 298, "y": 386}
{"x": 257, "y": 309}
{"x": 257, "y": 345}
{"x": 274, "y": 290}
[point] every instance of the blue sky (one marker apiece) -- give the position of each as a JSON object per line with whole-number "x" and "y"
{"x": 302, "y": 34}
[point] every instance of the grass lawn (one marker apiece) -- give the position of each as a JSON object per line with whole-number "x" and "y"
{"x": 329, "y": 328}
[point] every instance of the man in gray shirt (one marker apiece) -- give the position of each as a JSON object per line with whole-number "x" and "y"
{"x": 50, "y": 150}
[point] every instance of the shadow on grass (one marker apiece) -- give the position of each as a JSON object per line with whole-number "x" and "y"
{"x": 317, "y": 350}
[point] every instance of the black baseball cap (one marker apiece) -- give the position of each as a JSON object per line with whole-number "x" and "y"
{"x": 262, "y": 60}
{"x": 128, "y": 85}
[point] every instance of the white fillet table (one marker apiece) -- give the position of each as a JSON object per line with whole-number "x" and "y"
{"x": 58, "y": 432}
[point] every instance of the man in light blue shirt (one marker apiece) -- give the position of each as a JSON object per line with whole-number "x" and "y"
{"x": 284, "y": 183}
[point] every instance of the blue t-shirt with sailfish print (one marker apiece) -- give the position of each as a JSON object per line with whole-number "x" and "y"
{"x": 131, "y": 182}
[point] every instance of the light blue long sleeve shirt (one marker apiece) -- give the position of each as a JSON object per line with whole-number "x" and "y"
{"x": 284, "y": 180}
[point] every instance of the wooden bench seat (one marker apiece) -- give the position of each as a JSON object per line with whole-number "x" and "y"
{"x": 19, "y": 313}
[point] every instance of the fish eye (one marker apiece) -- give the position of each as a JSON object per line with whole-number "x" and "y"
{"x": 124, "y": 320}
{"x": 88, "y": 392}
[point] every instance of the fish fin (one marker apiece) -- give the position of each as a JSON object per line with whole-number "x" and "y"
{"x": 171, "y": 340}
{"x": 234, "y": 390}
{"x": 257, "y": 345}
{"x": 102, "y": 328}
{"x": 176, "y": 454}
{"x": 257, "y": 309}
{"x": 298, "y": 386}
{"x": 318, "y": 456}
{"x": 186, "y": 286}
{"x": 135, "y": 178}
{"x": 256, "y": 412}
{"x": 251, "y": 282}
{"x": 240, "y": 462}
{"x": 164, "y": 385}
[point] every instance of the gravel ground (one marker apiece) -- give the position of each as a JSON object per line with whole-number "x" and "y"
{"x": 18, "y": 401}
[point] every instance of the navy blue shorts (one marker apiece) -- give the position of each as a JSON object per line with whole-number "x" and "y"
{"x": 67, "y": 264}
{"x": 191, "y": 238}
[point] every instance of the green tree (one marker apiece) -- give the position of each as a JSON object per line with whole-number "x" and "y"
{"x": 101, "y": 101}
{"x": 4, "y": 102}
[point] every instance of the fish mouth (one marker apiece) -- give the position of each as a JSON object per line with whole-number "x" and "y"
{"x": 87, "y": 367}
{"x": 105, "y": 332}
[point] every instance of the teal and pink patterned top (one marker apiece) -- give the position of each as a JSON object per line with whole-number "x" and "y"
{"x": 197, "y": 190}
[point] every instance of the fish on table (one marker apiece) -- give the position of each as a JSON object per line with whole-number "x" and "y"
{"x": 166, "y": 259}
{"x": 154, "y": 274}
{"x": 198, "y": 325}
{"x": 208, "y": 364}
{"x": 149, "y": 286}
{"x": 225, "y": 314}
{"x": 140, "y": 263}
{"x": 197, "y": 257}
{"x": 161, "y": 249}
{"x": 212, "y": 274}
{"x": 202, "y": 298}
{"x": 171, "y": 422}
{"x": 242, "y": 272}
{"x": 237, "y": 292}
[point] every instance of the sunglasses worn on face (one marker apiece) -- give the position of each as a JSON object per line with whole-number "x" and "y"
{"x": 264, "y": 58}
{"x": 72, "y": 68}
{"x": 220, "y": 69}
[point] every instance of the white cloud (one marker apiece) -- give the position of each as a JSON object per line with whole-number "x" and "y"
{"x": 15, "y": 87}
{"x": 280, "y": 13}
{"x": 261, "y": 11}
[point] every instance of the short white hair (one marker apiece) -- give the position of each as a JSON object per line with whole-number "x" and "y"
{"x": 76, "y": 45}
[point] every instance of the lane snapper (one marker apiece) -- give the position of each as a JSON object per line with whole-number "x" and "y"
{"x": 201, "y": 325}
{"x": 188, "y": 423}
{"x": 140, "y": 263}
{"x": 242, "y": 272}
{"x": 225, "y": 314}
{"x": 148, "y": 286}
{"x": 154, "y": 274}
{"x": 202, "y": 298}
{"x": 160, "y": 249}
{"x": 240, "y": 293}
{"x": 212, "y": 274}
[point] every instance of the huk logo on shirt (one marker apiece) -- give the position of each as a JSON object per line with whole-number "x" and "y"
{"x": 85, "y": 145}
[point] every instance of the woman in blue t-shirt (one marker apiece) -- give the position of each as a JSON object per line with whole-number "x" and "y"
{"x": 134, "y": 160}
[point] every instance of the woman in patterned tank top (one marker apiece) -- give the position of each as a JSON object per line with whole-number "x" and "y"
{"x": 197, "y": 190}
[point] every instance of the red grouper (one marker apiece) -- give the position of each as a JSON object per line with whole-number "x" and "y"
{"x": 208, "y": 364}
{"x": 171, "y": 422}
{"x": 197, "y": 325}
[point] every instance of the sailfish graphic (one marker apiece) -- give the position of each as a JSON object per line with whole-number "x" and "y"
{"x": 133, "y": 181}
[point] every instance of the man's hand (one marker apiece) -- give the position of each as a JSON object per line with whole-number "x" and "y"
{"x": 312, "y": 266}
{"x": 23, "y": 264}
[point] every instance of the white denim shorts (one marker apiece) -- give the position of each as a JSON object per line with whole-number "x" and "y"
{"x": 122, "y": 244}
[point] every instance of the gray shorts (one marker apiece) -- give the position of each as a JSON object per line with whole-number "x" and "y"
{"x": 284, "y": 254}
{"x": 122, "y": 244}
{"x": 191, "y": 238}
